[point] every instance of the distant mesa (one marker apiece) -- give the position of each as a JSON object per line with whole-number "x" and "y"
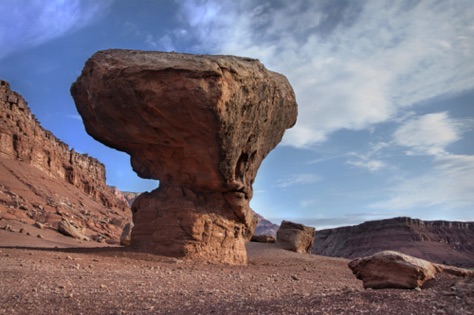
{"x": 437, "y": 241}
{"x": 265, "y": 227}
{"x": 199, "y": 124}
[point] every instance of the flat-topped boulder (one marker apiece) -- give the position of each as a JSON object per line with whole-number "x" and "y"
{"x": 390, "y": 269}
{"x": 199, "y": 124}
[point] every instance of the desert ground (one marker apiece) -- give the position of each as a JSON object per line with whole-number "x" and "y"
{"x": 53, "y": 274}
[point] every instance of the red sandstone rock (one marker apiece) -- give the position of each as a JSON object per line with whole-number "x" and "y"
{"x": 389, "y": 269}
{"x": 263, "y": 238}
{"x": 22, "y": 138}
{"x": 437, "y": 241}
{"x": 69, "y": 229}
{"x": 126, "y": 236}
{"x": 43, "y": 182}
{"x": 295, "y": 237}
{"x": 201, "y": 125}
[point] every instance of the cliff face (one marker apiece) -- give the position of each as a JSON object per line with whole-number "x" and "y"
{"x": 22, "y": 138}
{"x": 23, "y": 141}
{"x": 437, "y": 241}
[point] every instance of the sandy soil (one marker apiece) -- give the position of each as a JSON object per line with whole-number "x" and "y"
{"x": 52, "y": 275}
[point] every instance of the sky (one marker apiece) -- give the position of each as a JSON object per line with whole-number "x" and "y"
{"x": 385, "y": 92}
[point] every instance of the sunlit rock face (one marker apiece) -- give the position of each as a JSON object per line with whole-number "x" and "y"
{"x": 199, "y": 124}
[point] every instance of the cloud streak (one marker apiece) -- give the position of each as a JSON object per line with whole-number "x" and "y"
{"x": 37, "y": 22}
{"x": 448, "y": 183}
{"x": 353, "y": 66}
{"x": 301, "y": 179}
{"x": 428, "y": 134}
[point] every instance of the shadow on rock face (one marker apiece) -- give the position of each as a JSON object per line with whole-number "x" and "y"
{"x": 202, "y": 126}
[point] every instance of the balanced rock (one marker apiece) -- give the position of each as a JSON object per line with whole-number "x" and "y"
{"x": 295, "y": 237}
{"x": 202, "y": 126}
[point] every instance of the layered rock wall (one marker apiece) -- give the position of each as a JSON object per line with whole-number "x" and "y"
{"x": 437, "y": 241}
{"x": 22, "y": 138}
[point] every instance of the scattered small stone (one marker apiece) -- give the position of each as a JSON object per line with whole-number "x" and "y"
{"x": 40, "y": 236}
{"x": 418, "y": 289}
{"x": 39, "y": 225}
{"x": 295, "y": 277}
{"x": 22, "y": 230}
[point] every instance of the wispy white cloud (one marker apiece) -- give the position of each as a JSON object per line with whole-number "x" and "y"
{"x": 370, "y": 165}
{"x": 26, "y": 24}
{"x": 448, "y": 182}
{"x": 352, "y": 69}
{"x": 369, "y": 159}
{"x": 300, "y": 179}
{"x": 428, "y": 134}
{"x": 449, "y": 185}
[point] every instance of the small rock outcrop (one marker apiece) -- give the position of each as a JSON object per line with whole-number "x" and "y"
{"x": 390, "y": 269}
{"x": 263, "y": 238}
{"x": 126, "y": 237}
{"x": 295, "y": 237}
{"x": 199, "y": 124}
{"x": 67, "y": 228}
{"x": 437, "y": 241}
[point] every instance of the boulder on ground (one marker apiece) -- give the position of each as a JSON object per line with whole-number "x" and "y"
{"x": 67, "y": 228}
{"x": 390, "y": 269}
{"x": 199, "y": 124}
{"x": 263, "y": 239}
{"x": 126, "y": 237}
{"x": 295, "y": 237}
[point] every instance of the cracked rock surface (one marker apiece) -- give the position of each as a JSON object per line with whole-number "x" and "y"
{"x": 199, "y": 124}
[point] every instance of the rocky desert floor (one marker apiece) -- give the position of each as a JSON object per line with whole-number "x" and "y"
{"x": 57, "y": 275}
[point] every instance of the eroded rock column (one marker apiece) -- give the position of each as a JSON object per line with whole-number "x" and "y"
{"x": 199, "y": 124}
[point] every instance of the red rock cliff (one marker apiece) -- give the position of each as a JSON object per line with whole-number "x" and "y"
{"x": 437, "y": 241}
{"x": 22, "y": 138}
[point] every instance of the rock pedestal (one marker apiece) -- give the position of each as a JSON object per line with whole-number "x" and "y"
{"x": 202, "y": 126}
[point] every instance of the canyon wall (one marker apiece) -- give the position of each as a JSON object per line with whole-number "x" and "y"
{"x": 22, "y": 138}
{"x": 436, "y": 241}
{"x": 46, "y": 186}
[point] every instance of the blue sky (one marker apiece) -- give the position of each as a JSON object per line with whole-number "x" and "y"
{"x": 385, "y": 92}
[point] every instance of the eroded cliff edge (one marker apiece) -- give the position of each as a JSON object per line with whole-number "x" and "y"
{"x": 437, "y": 241}
{"x": 27, "y": 150}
